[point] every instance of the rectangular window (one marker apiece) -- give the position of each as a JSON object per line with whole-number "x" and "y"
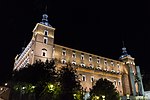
{"x": 83, "y": 78}
{"x": 118, "y": 65}
{"x": 119, "y": 82}
{"x": 112, "y": 63}
{"x": 45, "y": 32}
{"x": 98, "y": 60}
{"x": 105, "y": 62}
{"x": 115, "y": 83}
{"x": 44, "y": 54}
{"x": 63, "y": 61}
{"x": 82, "y": 56}
{"x": 45, "y": 40}
{"x": 44, "y": 51}
{"x": 64, "y": 52}
{"x": 73, "y": 55}
{"x": 90, "y": 58}
{"x": 92, "y": 78}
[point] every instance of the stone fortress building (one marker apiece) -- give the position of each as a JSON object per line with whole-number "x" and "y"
{"x": 123, "y": 72}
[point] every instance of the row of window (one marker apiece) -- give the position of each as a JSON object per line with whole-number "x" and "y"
{"x": 63, "y": 61}
{"x": 44, "y": 53}
{"x": 92, "y": 79}
{"x": 90, "y": 58}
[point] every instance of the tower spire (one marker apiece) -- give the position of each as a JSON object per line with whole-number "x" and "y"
{"x": 124, "y": 51}
{"x": 45, "y": 18}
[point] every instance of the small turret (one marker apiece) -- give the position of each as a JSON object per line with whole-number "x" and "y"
{"x": 45, "y": 20}
{"x": 124, "y": 52}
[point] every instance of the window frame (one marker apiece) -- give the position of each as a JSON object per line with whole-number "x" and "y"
{"x": 44, "y": 53}
{"x": 84, "y": 78}
{"x": 82, "y": 56}
{"x": 45, "y": 32}
{"x": 45, "y": 40}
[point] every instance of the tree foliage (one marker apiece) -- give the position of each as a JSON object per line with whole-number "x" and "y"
{"x": 38, "y": 75}
{"x": 46, "y": 83}
{"x": 38, "y": 72}
{"x": 69, "y": 83}
{"x": 103, "y": 87}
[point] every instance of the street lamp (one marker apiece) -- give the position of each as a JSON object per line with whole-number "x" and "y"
{"x": 1, "y": 89}
{"x": 128, "y": 97}
{"x": 103, "y": 96}
{"x": 74, "y": 95}
{"x": 51, "y": 87}
{"x": 6, "y": 84}
{"x": 97, "y": 97}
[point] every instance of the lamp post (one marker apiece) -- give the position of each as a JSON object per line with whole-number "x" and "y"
{"x": 128, "y": 97}
{"x": 103, "y": 96}
{"x": 96, "y": 97}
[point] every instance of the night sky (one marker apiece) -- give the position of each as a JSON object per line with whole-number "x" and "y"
{"x": 95, "y": 27}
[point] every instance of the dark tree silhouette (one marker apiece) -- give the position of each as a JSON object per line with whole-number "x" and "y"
{"x": 69, "y": 83}
{"x": 36, "y": 76}
{"x": 103, "y": 87}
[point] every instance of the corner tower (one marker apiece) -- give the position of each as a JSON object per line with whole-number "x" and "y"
{"x": 131, "y": 75}
{"x": 43, "y": 38}
{"x": 129, "y": 71}
{"x": 40, "y": 47}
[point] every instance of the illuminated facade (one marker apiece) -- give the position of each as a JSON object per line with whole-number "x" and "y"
{"x": 90, "y": 67}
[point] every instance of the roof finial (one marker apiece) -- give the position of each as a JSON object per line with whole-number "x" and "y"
{"x": 123, "y": 43}
{"x": 124, "y": 51}
{"x": 45, "y": 18}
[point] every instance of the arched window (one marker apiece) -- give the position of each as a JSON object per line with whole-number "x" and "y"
{"x": 44, "y": 52}
{"x": 83, "y": 78}
{"x": 90, "y": 58}
{"x": 92, "y": 78}
{"x": 74, "y": 62}
{"x": 73, "y": 54}
{"x": 105, "y": 62}
{"x": 98, "y": 60}
{"x": 64, "y": 52}
{"x": 63, "y": 61}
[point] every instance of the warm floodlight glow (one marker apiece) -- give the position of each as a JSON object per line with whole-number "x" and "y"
{"x": 33, "y": 87}
{"x": 6, "y": 84}
{"x": 23, "y": 87}
{"x": 1, "y": 89}
{"x": 51, "y": 87}
{"x": 97, "y": 97}
{"x": 103, "y": 96}
{"x": 128, "y": 96}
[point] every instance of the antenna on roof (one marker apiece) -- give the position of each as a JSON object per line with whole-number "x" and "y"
{"x": 46, "y": 8}
{"x": 123, "y": 43}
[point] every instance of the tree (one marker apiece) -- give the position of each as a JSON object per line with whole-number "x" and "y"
{"x": 103, "y": 87}
{"x": 69, "y": 83}
{"x": 36, "y": 77}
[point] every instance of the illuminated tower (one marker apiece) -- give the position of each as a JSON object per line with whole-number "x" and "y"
{"x": 131, "y": 75}
{"x": 40, "y": 47}
{"x": 43, "y": 37}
